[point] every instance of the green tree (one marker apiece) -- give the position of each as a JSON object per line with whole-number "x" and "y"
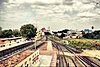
{"x": 97, "y": 34}
{"x": 28, "y": 31}
{"x": 16, "y": 32}
{"x": 0, "y": 28}
{"x": 89, "y": 35}
{"x": 47, "y": 33}
{"x": 7, "y": 33}
{"x": 1, "y": 34}
{"x": 65, "y": 31}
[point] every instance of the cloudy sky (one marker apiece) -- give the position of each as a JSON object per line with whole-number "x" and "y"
{"x": 56, "y": 14}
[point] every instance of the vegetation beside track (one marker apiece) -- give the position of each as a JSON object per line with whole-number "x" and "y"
{"x": 80, "y": 43}
{"x": 83, "y": 45}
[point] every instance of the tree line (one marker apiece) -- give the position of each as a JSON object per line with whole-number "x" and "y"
{"x": 9, "y": 33}
{"x": 27, "y": 31}
{"x": 92, "y": 35}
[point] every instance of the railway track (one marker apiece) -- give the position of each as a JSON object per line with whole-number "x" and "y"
{"x": 62, "y": 60}
{"x": 77, "y": 60}
{"x": 11, "y": 52}
{"x": 90, "y": 61}
{"x": 80, "y": 63}
{"x": 86, "y": 61}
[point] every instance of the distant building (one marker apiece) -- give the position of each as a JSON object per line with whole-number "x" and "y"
{"x": 69, "y": 34}
{"x": 73, "y": 34}
{"x": 9, "y": 42}
{"x": 87, "y": 31}
{"x": 59, "y": 34}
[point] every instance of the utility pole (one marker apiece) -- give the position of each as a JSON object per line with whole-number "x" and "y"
{"x": 46, "y": 37}
{"x": 35, "y": 43}
{"x": 36, "y": 26}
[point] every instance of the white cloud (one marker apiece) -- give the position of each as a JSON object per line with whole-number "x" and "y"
{"x": 32, "y": 1}
{"x": 88, "y": 6}
{"x": 56, "y": 16}
{"x": 88, "y": 14}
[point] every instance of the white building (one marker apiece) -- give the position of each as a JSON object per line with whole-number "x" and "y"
{"x": 73, "y": 34}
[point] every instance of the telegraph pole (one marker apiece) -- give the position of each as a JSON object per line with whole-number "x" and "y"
{"x": 35, "y": 43}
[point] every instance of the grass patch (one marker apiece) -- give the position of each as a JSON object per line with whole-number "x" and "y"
{"x": 56, "y": 38}
{"x": 83, "y": 45}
